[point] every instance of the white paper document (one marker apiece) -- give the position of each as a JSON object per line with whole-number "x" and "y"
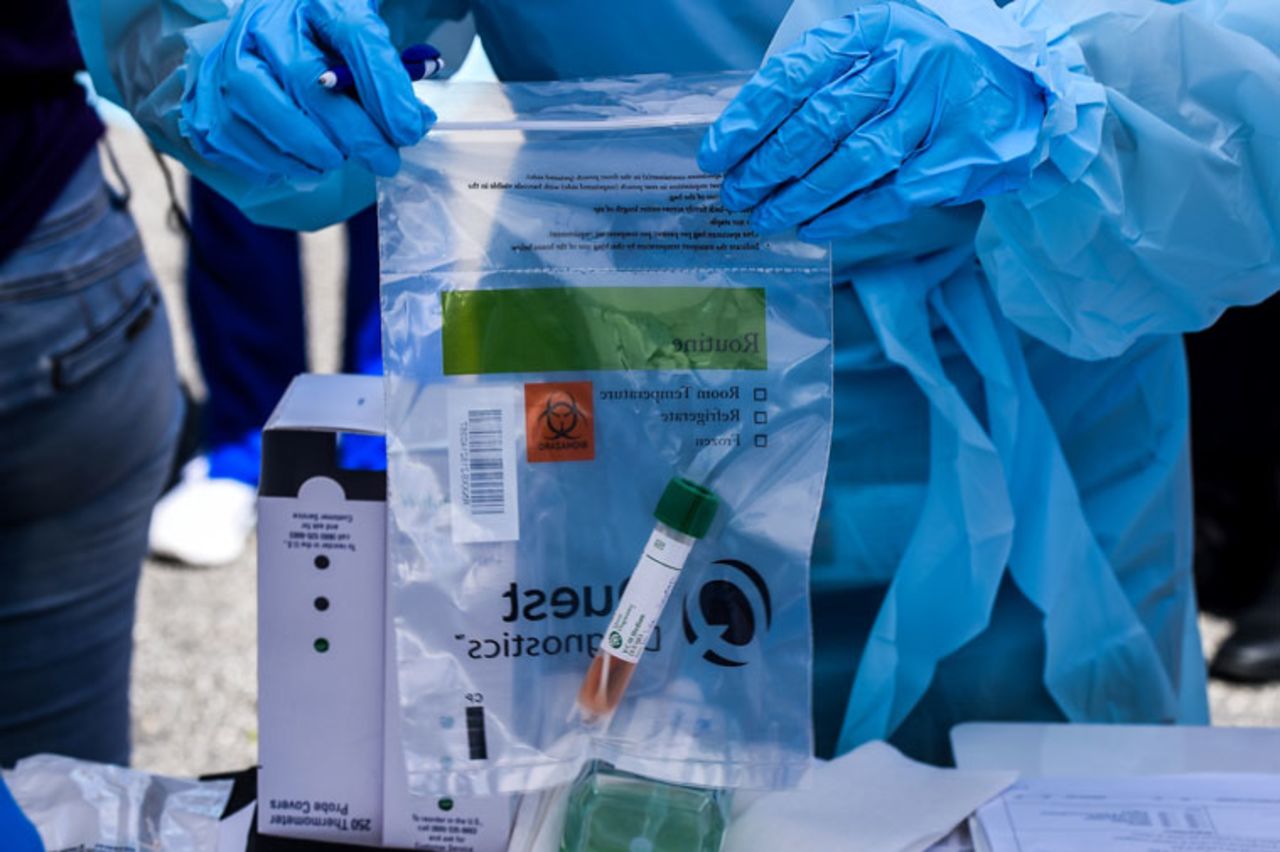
{"x": 871, "y": 800}
{"x": 1171, "y": 813}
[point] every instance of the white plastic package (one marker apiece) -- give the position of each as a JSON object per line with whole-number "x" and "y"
{"x": 92, "y": 807}
{"x": 571, "y": 320}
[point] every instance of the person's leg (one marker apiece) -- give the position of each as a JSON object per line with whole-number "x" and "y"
{"x": 244, "y": 292}
{"x": 89, "y": 415}
{"x": 1235, "y": 417}
{"x": 362, "y": 332}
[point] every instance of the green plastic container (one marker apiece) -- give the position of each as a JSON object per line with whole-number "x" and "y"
{"x": 612, "y": 811}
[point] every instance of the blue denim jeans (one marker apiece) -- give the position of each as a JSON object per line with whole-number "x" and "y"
{"x": 89, "y": 414}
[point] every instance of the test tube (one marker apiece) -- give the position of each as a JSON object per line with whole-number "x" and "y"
{"x": 684, "y": 514}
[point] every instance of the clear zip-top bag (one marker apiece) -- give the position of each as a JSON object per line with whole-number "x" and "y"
{"x": 572, "y": 323}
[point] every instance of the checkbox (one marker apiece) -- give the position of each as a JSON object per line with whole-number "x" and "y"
{"x": 762, "y": 441}
{"x": 761, "y": 418}
{"x": 760, "y": 394}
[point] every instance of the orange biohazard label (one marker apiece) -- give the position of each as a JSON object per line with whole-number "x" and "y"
{"x": 558, "y": 422}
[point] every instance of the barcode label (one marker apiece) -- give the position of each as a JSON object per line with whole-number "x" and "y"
{"x": 482, "y": 464}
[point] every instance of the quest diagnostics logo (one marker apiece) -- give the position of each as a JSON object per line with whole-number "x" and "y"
{"x": 558, "y": 422}
{"x": 727, "y": 612}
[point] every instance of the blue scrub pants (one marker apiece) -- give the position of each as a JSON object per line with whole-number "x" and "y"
{"x": 1235, "y": 454}
{"x": 245, "y": 294}
{"x": 89, "y": 416}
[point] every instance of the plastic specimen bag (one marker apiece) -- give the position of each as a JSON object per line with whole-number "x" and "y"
{"x": 79, "y": 805}
{"x": 571, "y": 320}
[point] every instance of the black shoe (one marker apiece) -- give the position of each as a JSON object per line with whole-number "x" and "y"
{"x": 1251, "y": 654}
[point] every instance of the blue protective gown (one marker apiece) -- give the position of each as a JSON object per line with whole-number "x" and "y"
{"x": 1006, "y": 529}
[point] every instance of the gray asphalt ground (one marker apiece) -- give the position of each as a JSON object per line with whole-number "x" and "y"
{"x": 194, "y": 671}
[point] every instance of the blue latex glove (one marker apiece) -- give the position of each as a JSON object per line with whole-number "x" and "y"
{"x": 256, "y": 103}
{"x": 870, "y": 117}
{"x": 17, "y": 832}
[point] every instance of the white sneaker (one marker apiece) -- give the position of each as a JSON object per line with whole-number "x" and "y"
{"x": 203, "y": 521}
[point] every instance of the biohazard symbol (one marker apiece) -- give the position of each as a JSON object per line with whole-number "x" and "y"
{"x": 558, "y": 422}
{"x": 561, "y": 416}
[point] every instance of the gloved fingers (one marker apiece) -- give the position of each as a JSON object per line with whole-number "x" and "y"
{"x": 877, "y": 149}
{"x": 810, "y": 135}
{"x": 932, "y": 177}
{"x": 354, "y": 132}
{"x": 894, "y": 200}
{"x": 783, "y": 83}
{"x": 361, "y": 38}
{"x": 351, "y": 129}
{"x": 234, "y": 142}
{"x": 221, "y": 134}
{"x": 255, "y": 95}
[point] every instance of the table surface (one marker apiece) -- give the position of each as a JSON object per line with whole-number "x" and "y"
{"x": 1036, "y": 750}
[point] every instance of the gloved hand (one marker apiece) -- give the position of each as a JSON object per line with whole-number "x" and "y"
{"x": 16, "y": 830}
{"x": 256, "y": 103}
{"x": 870, "y": 117}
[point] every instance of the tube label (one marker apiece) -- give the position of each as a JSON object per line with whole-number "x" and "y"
{"x": 645, "y": 597}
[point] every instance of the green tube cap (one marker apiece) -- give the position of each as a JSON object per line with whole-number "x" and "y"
{"x": 687, "y": 507}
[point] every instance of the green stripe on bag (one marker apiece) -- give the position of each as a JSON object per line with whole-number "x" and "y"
{"x": 603, "y": 328}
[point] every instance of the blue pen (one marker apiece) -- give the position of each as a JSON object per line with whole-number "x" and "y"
{"x": 421, "y": 61}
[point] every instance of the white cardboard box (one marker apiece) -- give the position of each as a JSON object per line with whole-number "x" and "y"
{"x": 328, "y": 709}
